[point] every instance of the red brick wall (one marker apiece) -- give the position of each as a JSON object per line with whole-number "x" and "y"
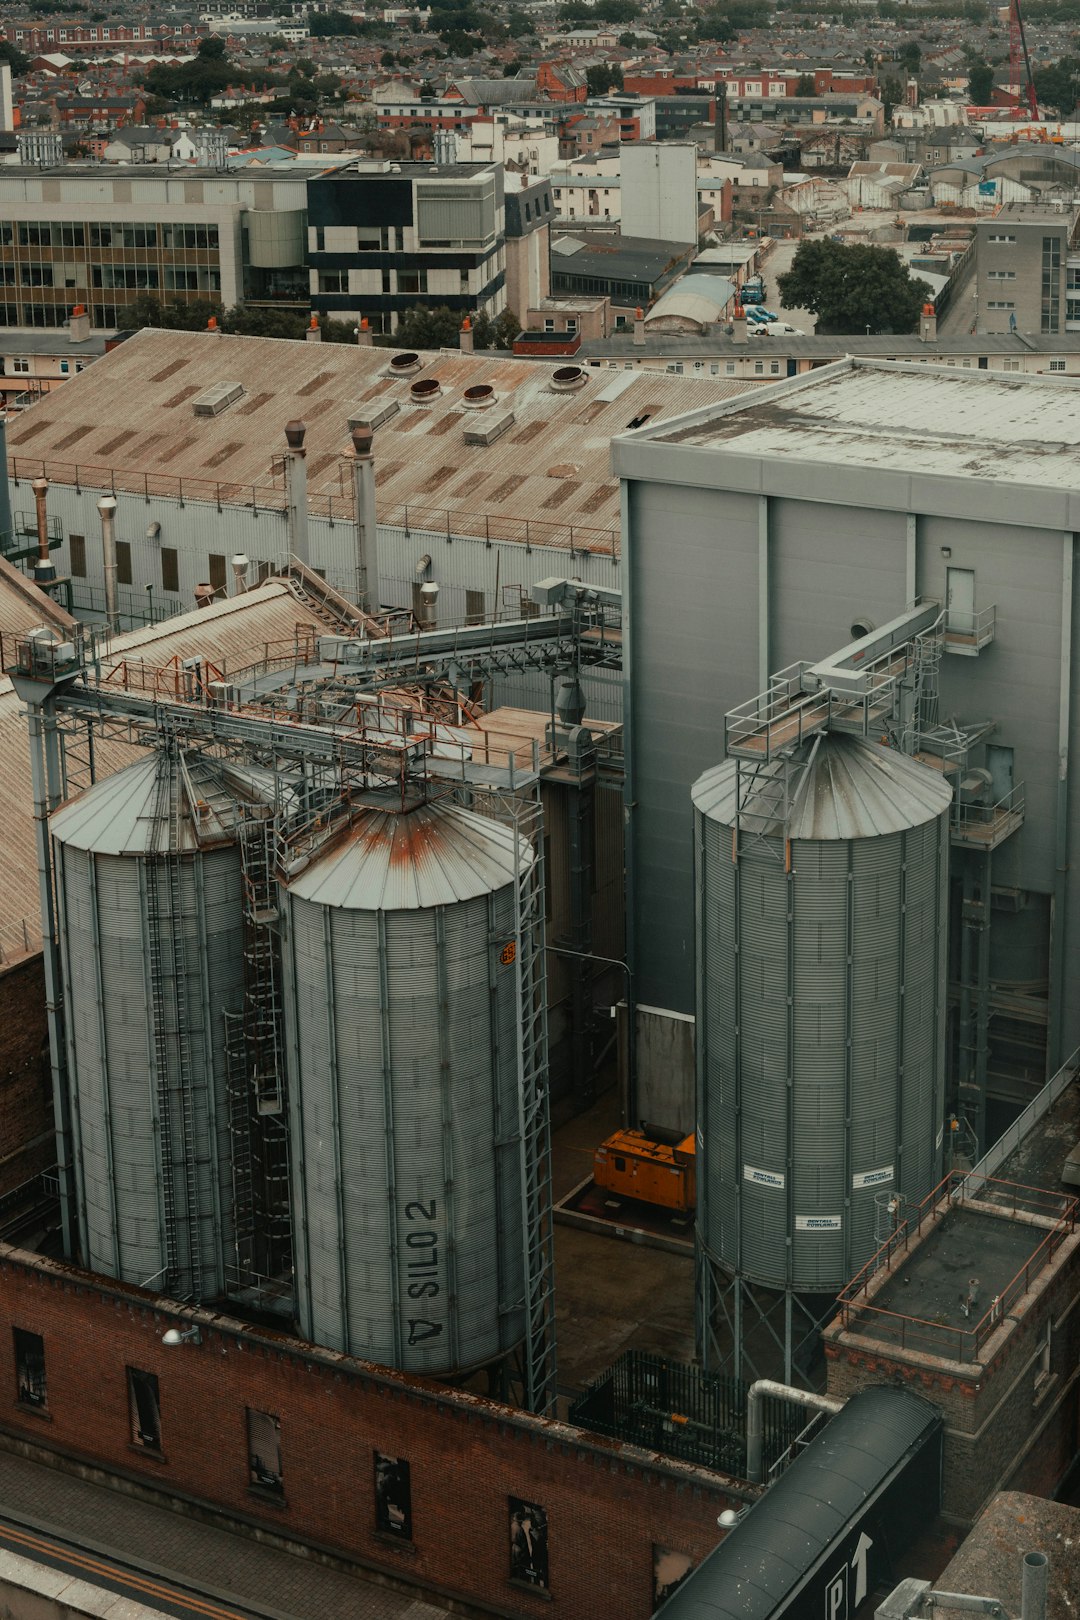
{"x": 606, "y": 1505}
{"x": 26, "y": 1120}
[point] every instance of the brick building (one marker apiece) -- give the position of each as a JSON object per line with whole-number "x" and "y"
{"x": 370, "y": 1467}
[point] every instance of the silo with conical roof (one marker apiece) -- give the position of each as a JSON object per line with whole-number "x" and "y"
{"x": 820, "y": 1006}
{"x": 148, "y": 882}
{"x": 404, "y": 1030}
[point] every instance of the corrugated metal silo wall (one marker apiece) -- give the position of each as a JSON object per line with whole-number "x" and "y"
{"x": 113, "y": 1059}
{"x": 403, "y": 1040}
{"x": 850, "y": 947}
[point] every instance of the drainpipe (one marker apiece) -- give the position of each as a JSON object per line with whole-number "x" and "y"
{"x": 367, "y": 532}
{"x": 1034, "y": 1577}
{"x": 296, "y": 491}
{"x": 7, "y": 525}
{"x": 755, "y": 1416}
{"x": 44, "y": 569}
{"x": 107, "y": 507}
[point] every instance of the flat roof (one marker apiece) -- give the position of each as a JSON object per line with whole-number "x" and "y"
{"x": 818, "y": 346}
{"x": 882, "y": 417}
{"x": 988, "y": 1563}
{"x": 131, "y": 411}
{"x": 931, "y": 1284}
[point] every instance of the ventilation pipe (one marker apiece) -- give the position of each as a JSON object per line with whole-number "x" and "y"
{"x": 107, "y": 507}
{"x": 639, "y": 328}
{"x": 7, "y": 524}
{"x": 314, "y": 331}
{"x": 720, "y": 132}
{"x": 465, "y": 336}
{"x": 1034, "y": 1578}
{"x": 429, "y": 601}
{"x": 755, "y": 1418}
{"x": 367, "y": 532}
{"x": 364, "y": 336}
{"x": 240, "y": 566}
{"x": 296, "y": 490}
{"x": 44, "y": 570}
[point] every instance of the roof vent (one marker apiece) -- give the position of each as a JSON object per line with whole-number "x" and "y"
{"x": 217, "y": 399}
{"x": 424, "y": 390}
{"x": 490, "y": 429}
{"x": 478, "y": 397}
{"x": 404, "y": 365}
{"x": 565, "y": 379}
{"x": 373, "y": 416}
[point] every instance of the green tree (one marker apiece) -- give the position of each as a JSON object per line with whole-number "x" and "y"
{"x": 892, "y": 93}
{"x": 980, "y": 83}
{"x": 851, "y": 289}
{"x": 1059, "y": 85}
{"x": 602, "y": 77}
{"x": 207, "y": 73}
{"x": 17, "y": 60}
{"x": 729, "y": 20}
{"x": 910, "y": 56}
{"x": 147, "y": 311}
{"x": 806, "y": 85}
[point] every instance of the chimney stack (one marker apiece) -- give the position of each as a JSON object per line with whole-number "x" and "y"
{"x": 7, "y": 107}
{"x": 928, "y": 324}
{"x": 639, "y": 328}
{"x": 720, "y": 130}
{"x": 738, "y": 323}
{"x": 107, "y": 508}
{"x": 367, "y": 533}
{"x": 296, "y": 490}
{"x": 213, "y": 327}
{"x": 314, "y": 331}
{"x": 79, "y": 325}
{"x": 465, "y": 337}
{"x": 364, "y": 337}
{"x": 44, "y": 569}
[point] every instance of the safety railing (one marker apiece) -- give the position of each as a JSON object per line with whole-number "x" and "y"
{"x": 1054, "y": 1214}
{"x": 492, "y": 526}
{"x": 985, "y": 825}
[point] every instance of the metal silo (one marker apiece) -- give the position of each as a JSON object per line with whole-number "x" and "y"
{"x": 820, "y": 1007}
{"x": 148, "y": 882}
{"x": 404, "y": 1036}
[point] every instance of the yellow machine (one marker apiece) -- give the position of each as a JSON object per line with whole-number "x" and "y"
{"x": 653, "y": 1165}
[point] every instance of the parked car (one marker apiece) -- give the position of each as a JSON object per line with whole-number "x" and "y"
{"x": 758, "y": 315}
{"x": 774, "y": 329}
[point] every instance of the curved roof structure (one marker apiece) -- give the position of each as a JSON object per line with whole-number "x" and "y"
{"x": 432, "y": 856}
{"x": 853, "y": 789}
{"x": 701, "y": 299}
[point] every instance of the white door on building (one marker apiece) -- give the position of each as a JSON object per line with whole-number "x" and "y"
{"x": 960, "y": 601}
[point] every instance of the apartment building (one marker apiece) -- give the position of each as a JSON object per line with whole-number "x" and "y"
{"x": 383, "y": 237}
{"x": 1027, "y": 269}
{"x": 103, "y": 239}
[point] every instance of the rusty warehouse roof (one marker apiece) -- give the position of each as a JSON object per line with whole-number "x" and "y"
{"x": 132, "y": 415}
{"x": 233, "y": 634}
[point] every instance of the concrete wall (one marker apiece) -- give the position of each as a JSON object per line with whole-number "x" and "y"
{"x": 664, "y": 1057}
{"x": 659, "y": 192}
{"x": 30, "y": 1591}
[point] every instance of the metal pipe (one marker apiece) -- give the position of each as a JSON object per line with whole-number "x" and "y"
{"x": 7, "y": 525}
{"x": 367, "y": 532}
{"x": 43, "y": 568}
{"x": 755, "y": 1427}
{"x": 1034, "y": 1579}
{"x": 1061, "y": 815}
{"x": 296, "y": 491}
{"x": 107, "y": 508}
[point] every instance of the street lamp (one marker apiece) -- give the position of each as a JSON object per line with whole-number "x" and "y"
{"x": 189, "y": 1335}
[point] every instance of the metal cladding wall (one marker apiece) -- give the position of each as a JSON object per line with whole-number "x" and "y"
{"x": 109, "y": 948}
{"x": 820, "y": 1018}
{"x": 403, "y": 1036}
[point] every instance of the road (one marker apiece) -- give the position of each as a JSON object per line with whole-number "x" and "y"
{"x": 778, "y": 261}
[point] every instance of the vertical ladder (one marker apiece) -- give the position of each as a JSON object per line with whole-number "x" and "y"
{"x": 159, "y": 1004}
{"x": 185, "y": 1079}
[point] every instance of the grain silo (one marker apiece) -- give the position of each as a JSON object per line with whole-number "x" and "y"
{"x": 404, "y": 1032}
{"x": 820, "y": 1007}
{"x": 148, "y": 881}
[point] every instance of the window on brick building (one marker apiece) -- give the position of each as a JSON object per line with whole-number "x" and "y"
{"x": 29, "y": 1368}
{"x": 264, "y": 1451}
{"x": 393, "y": 1497}
{"x": 528, "y": 1544}
{"x": 144, "y": 1405}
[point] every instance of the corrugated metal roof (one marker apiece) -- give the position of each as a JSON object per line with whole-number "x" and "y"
{"x": 24, "y": 605}
{"x": 952, "y": 423}
{"x": 139, "y": 812}
{"x": 234, "y": 634}
{"x": 146, "y": 386}
{"x": 853, "y": 789}
{"x": 432, "y": 856}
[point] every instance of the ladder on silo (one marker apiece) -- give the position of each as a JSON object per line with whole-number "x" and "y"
{"x": 263, "y": 994}
{"x": 184, "y": 1012}
{"x": 171, "y": 1275}
{"x": 241, "y": 1156}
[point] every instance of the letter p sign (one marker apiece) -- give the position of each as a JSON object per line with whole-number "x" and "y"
{"x": 836, "y": 1597}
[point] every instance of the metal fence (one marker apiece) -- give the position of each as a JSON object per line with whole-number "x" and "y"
{"x": 681, "y": 1411}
